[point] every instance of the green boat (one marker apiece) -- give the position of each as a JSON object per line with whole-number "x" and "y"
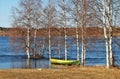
{"x": 65, "y": 62}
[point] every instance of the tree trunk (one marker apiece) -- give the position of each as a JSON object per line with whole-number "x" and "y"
{"x": 49, "y": 44}
{"x": 64, "y": 15}
{"x": 28, "y": 63}
{"x": 59, "y": 52}
{"x": 28, "y": 42}
{"x": 49, "y": 25}
{"x": 83, "y": 23}
{"x": 65, "y": 43}
{"x": 34, "y": 51}
{"x": 77, "y": 34}
{"x": 43, "y": 48}
{"x": 110, "y": 33}
{"x": 77, "y": 40}
{"x": 105, "y": 34}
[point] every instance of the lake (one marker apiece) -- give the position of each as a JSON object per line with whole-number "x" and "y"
{"x": 95, "y": 54}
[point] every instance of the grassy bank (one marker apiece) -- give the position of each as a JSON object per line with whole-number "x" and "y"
{"x": 64, "y": 73}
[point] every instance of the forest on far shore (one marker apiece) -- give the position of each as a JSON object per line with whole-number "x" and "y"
{"x": 90, "y": 31}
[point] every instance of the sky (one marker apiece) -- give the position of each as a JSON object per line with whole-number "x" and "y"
{"x": 6, "y": 12}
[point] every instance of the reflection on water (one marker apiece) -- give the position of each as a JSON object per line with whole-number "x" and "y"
{"x": 22, "y": 62}
{"x": 95, "y": 54}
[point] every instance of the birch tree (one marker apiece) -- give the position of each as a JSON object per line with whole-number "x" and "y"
{"x": 50, "y": 21}
{"x": 28, "y": 24}
{"x": 23, "y": 16}
{"x": 110, "y": 32}
{"x": 63, "y": 17}
{"x": 105, "y": 33}
{"x": 83, "y": 24}
{"x": 37, "y": 14}
{"x": 76, "y": 15}
{"x": 112, "y": 8}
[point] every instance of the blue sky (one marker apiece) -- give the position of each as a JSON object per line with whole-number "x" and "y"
{"x": 6, "y": 11}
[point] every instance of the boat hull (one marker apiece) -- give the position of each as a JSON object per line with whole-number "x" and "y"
{"x": 64, "y": 62}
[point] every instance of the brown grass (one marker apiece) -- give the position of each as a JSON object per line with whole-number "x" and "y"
{"x": 64, "y": 73}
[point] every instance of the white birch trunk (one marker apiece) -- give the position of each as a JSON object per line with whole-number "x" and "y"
{"x": 105, "y": 33}
{"x": 49, "y": 25}
{"x": 28, "y": 63}
{"x": 43, "y": 47}
{"x": 83, "y": 33}
{"x": 59, "y": 44}
{"x": 35, "y": 34}
{"x": 111, "y": 53}
{"x": 49, "y": 44}
{"x": 65, "y": 40}
{"x": 77, "y": 34}
{"x": 64, "y": 16}
{"x": 28, "y": 31}
{"x": 28, "y": 42}
{"x": 83, "y": 52}
{"x": 110, "y": 33}
{"x": 77, "y": 40}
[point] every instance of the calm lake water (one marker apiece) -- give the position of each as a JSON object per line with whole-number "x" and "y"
{"x": 95, "y": 54}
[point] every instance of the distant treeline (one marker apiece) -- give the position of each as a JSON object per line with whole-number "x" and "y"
{"x": 4, "y": 31}
{"x": 3, "y": 28}
{"x": 90, "y": 31}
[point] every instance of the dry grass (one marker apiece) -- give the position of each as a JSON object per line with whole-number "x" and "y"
{"x": 64, "y": 73}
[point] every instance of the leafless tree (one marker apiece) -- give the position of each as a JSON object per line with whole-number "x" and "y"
{"x": 37, "y": 14}
{"x": 50, "y": 20}
{"x": 105, "y": 33}
{"x": 83, "y": 24}
{"x": 110, "y": 32}
{"x": 76, "y": 15}
{"x": 63, "y": 21}
{"x": 110, "y": 11}
{"x": 24, "y": 16}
